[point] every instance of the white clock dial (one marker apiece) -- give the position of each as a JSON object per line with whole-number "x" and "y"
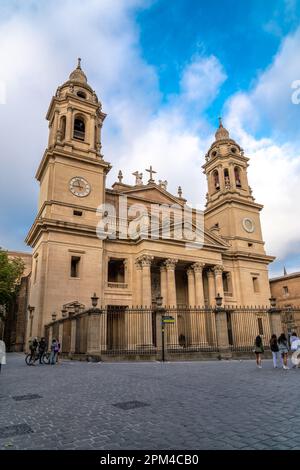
{"x": 248, "y": 225}
{"x": 79, "y": 187}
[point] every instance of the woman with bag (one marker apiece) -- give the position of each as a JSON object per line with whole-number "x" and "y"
{"x": 275, "y": 350}
{"x": 283, "y": 349}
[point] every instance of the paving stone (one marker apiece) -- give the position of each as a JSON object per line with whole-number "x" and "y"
{"x": 188, "y": 405}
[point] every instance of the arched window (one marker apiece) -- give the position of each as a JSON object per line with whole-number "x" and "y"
{"x": 237, "y": 177}
{"x": 79, "y": 129}
{"x": 216, "y": 180}
{"x": 226, "y": 177}
{"x": 63, "y": 127}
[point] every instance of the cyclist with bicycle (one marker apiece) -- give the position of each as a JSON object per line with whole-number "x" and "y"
{"x": 33, "y": 344}
{"x": 42, "y": 349}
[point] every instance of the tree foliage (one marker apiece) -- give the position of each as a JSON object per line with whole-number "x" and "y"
{"x": 11, "y": 271}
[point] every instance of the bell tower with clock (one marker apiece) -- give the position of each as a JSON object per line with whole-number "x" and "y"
{"x": 232, "y": 213}
{"x": 72, "y": 177}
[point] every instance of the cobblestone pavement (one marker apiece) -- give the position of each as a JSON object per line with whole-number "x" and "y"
{"x": 183, "y": 405}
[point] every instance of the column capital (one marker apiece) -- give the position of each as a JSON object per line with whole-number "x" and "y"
{"x": 218, "y": 269}
{"x": 145, "y": 260}
{"x": 163, "y": 268}
{"x": 198, "y": 267}
{"x": 210, "y": 273}
{"x": 170, "y": 263}
{"x": 190, "y": 271}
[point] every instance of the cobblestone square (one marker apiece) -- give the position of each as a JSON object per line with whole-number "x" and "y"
{"x": 158, "y": 406}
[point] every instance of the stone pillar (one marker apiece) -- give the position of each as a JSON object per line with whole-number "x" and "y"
{"x": 222, "y": 333}
{"x": 93, "y": 333}
{"x": 69, "y": 124}
{"x": 191, "y": 287}
{"x": 199, "y": 296}
{"x": 172, "y": 328}
{"x": 218, "y": 270}
{"x": 73, "y": 336}
{"x": 275, "y": 321}
{"x": 211, "y": 287}
{"x": 92, "y": 132}
{"x": 163, "y": 285}
{"x": 138, "y": 283}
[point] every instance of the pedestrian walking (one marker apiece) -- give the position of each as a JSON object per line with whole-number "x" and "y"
{"x": 284, "y": 350}
{"x": 275, "y": 351}
{"x": 57, "y": 350}
{"x": 42, "y": 349}
{"x": 33, "y": 345}
{"x": 259, "y": 350}
{"x": 2, "y": 354}
{"x": 53, "y": 352}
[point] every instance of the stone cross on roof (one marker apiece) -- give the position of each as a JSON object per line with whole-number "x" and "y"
{"x": 138, "y": 178}
{"x": 151, "y": 171}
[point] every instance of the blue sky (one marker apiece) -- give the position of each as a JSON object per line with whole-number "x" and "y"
{"x": 164, "y": 70}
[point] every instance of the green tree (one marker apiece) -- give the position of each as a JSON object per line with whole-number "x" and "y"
{"x": 11, "y": 271}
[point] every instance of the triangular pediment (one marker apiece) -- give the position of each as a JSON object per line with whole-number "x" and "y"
{"x": 152, "y": 193}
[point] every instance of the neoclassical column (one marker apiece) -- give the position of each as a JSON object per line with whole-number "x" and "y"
{"x": 163, "y": 284}
{"x": 146, "y": 314}
{"x": 146, "y": 261}
{"x": 172, "y": 329}
{"x": 191, "y": 287}
{"x": 138, "y": 283}
{"x": 170, "y": 266}
{"x": 211, "y": 287}
{"x": 199, "y": 292}
{"x": 218, "y": 271}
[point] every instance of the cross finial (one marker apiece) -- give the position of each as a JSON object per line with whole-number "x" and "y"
{"x": 179, "y": 191}
{"x": 79, "y": 63}
{"x": 120, "y": 176}
{"x": 220, "y": 122}
{"x": 151, "y": 171}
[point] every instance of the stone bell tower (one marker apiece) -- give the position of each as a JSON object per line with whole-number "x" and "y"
{"x": 67, "y": 255}
{"x": 232, "y": 213}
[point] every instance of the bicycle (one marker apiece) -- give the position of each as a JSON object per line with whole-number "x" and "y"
{"x": 45, "y": 358}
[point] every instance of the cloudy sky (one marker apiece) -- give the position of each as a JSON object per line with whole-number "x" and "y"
{"x": 164, "y": 71}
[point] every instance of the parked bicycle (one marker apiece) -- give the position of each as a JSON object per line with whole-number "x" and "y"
{"x": 31, "y": 359}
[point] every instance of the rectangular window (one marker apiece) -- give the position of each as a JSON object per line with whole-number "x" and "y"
{"x": 285, "y": 290}
{"x": 225, "y": 282}
{"x": 78, "y": 213}
{"x": 260, "y": 326}
{"x": 75, "y": 260}
{"x": 255, "y": 284}
{"x": 116, "y": 270}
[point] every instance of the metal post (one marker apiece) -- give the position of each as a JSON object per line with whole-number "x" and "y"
{"x": 163, "y": 338}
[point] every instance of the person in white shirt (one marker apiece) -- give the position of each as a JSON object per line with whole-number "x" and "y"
{"x": 2, "y": 354}
{"x": 295, "y": 346}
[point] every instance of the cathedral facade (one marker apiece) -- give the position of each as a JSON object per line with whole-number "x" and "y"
{"x": 72, "y": 258}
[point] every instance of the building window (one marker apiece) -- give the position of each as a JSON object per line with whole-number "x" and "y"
{"x": 75, "y": 261}
{"x": 216, "y": 180}
{"x": 260, "y": 326}
{"x": 255, "y": 284}
{"x": 63, "y": 127}
{"x": 116, "y": 270}
{"x": 226, "y": 178}
{"x": 81, "y": 94}
{"x": 285, "y": 290}
{"x": 225, "y": 282}
{"x": 79, "y": 129}
{"x": 77, "y": 213}
{"x": 237, "y": 177}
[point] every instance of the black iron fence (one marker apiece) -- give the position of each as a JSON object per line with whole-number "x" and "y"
{"x": 157, "y": 332}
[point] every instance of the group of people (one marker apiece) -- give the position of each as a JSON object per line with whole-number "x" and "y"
{"x": 280, "y": 348}
{"x": 39, "y": 348}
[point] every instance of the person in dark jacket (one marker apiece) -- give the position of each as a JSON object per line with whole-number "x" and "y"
{"x": 42, "y": 349}
{"x": 259, "y": 350}
{"x": 275, "y": 351}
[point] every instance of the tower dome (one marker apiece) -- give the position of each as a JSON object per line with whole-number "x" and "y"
{"x": 222, "y": 133}
{"x": 78, "y": 75}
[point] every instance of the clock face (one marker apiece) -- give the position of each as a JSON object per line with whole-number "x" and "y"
{"x": 79, "y": 187}
{"x": 248, "y": 225}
